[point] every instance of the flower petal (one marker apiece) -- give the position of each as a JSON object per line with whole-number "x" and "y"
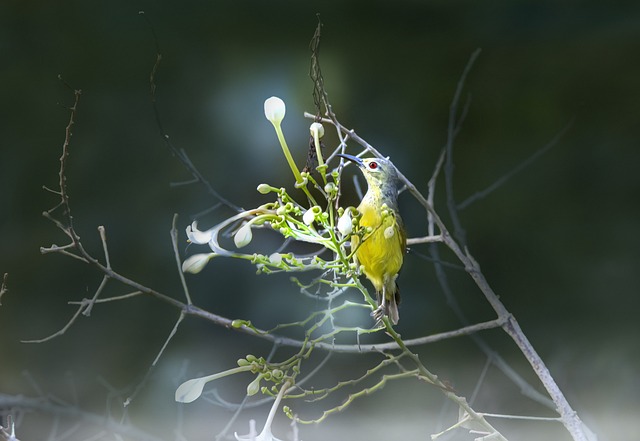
{"x": 274, "y": 110}
{"x": 199, "y": 237}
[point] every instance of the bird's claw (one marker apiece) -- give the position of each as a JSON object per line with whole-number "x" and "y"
{"x": 379, "y": 313}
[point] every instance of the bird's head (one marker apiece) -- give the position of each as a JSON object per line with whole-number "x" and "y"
{"x": 378, "y": 171}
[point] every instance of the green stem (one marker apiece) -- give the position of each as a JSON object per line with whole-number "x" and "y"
{"x": 292, "y": 164}
{"x": 287, "y": 153}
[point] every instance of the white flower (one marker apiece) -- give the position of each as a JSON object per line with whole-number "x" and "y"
{"x": 190, "y": 390}
{"x": 194, "y": 264}
{"x": 243, "y": 236}
{"x": 345, "y": 226}
{"x": 266, "y": 434}
{"x": 274, "y": 110}
{"x": 199, "y": 237}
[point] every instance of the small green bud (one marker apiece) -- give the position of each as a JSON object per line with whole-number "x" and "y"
{"x": 243, "y": 362}
{"x": 264, "y": 188}
{"x": 237, "y": 323}
{"x": 252, "y": 358}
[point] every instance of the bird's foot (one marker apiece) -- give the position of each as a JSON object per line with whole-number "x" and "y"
{"x": 379, "y": 313}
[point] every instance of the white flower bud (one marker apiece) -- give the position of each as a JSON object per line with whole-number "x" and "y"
{"x": 274, "y": 110}
{"x": 194, "y": 264}
{"x": 190, "y": 390}
{"x": 345, "y": 226}
{"x": 309, "y": 216}
{"x": 243, "y": 236}
{"x": 254, "y": 387}
{"x": 317, "y": 129}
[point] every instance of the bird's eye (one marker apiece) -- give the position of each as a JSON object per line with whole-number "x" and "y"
{"x": 373, "y": 165}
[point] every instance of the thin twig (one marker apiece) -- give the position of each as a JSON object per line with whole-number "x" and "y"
{"x": 3, "y": 287}
{"x": 515, "y": 170}
{"x": 174, "y": 243}
{"x": 451, "y": 136}
{"x": 61, "y": 331}
{"x": 179, "y": 153}
{"x": 143, "y": 383}
{"x": 75, "y": 414}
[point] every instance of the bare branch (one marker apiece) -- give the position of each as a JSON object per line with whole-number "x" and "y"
{"x": 3, "y": 287}
{"x": 515, "y": 170}
{"x": 75, "y": 414}
{"x": 174, "y": 243}
{"x": 61, "y": 331}
{"x": 179, "y": 153}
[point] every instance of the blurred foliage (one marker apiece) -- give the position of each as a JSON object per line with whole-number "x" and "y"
{"x": 558, "y": 242}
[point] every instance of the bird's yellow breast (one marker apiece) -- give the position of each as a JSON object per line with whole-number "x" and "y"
{"x": 382, "y": 252}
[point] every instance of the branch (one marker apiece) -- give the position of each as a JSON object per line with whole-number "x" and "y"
{"x": 75, "y": 414}
{"x": 179, "y": 153}
{"x": 517, "y": 169}
{"x": 3, "y": 287}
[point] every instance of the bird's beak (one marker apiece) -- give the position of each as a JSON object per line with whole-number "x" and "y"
{"x": 354, "y": 159}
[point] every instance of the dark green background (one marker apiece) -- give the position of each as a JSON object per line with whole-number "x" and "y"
{"x": 559, "y": 242}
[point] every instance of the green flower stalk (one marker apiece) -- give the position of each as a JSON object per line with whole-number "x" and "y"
{"x": 274, "y": 110}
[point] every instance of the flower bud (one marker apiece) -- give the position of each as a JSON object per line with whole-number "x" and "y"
{"x": 330, "y": 187}
{"x": 317, "y": 129}
{"x": 264, "y": 188}
{"x": 243, "y": 236}
{"x": 309, "y": 216}
{"x": 194, "y": 264}
{"x": 274, "y": 110}
{"x": 345, "y": 226}
{"x": 254, "y": 387}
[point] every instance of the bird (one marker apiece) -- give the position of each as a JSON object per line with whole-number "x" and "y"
{"x": 381, "y": 251}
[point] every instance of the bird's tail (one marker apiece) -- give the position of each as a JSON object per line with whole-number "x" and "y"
{"x": 391, "y": 305}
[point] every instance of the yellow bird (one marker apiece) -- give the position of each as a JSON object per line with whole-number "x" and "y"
{"x": 381, "y": 251}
